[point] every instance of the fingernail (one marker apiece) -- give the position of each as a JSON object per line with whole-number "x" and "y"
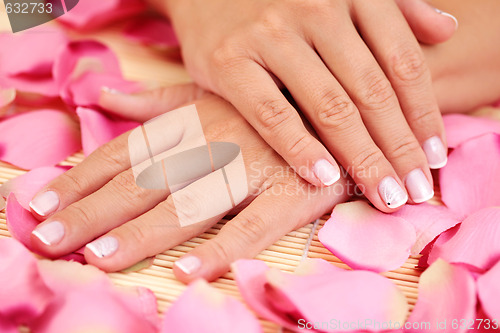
{"x": 104, "y": 246}
{"x": 418, "y": 186}
{"x": 45, "y": 203}
{"x": 110, "y": 90}
{"x": 448, "y": 15}
{"x": 326, "y": 172}
{"x": 391, "y": 193}
{"x": 50, "y": 233}
{"x": 436, "y": 152}
{"x": 188, "y": 264}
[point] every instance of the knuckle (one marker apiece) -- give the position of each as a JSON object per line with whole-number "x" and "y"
{"x": 188, "y": 204}
{"x": 221, "y": 251}
{"x": 112, "y": 153}
{"x": 251, "y": 228}
{"x": 125, "y": 185}
{"x": 408, "y": 65}
{"x": 377, "y": 91}
{"x": 425, "y": 118}
{"x": 405, "y": 148}
{"x": 368, "y": 159}
{"x": 137, "y": 234}
{"x": 272, "y": 114}
{"x": 334, "y": 110}
{"x": 300, "y": 145}
{"x": 227, "y": 55}
{"x": 76, "y": 184}
{"x": 83, "y": 216}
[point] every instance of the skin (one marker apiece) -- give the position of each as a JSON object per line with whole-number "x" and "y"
{"x": 373, "y": 113}
{"x": 99, "y": 196}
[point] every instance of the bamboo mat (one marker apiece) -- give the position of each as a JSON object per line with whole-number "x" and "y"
{"x": 163, "y": 68}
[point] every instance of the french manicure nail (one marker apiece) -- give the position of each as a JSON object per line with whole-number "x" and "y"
{"x": 110, "y": 90}
{"x": 326, "y": 172}
{"x": 435, "y": 152}
{"x": 448, "y": 15}
{"x": 50, "y": 233}
{"x": 45, "y": 203}
{"x": 104, "y": 246}
{"x": 391, "y": 193}
{"x": 418, "y": 186}
{"x": 188, "y": 264}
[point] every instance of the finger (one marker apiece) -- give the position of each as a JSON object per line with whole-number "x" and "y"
{"x": 338, "y": 123}
{"x": 149, "y": 104}
{"x": 371, "y": 91}
{"x": 117, "y": 202}
{"x": 267, "y": 110}
{"x": 271, "y": 215}
{"x": 402, "y": 60}
{"x": 429, "y": 24}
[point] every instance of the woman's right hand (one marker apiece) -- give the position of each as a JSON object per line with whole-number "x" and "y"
{"x": 356, "y": 70}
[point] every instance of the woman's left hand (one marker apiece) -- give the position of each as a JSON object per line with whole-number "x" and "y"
{"x": 98, "y": 202}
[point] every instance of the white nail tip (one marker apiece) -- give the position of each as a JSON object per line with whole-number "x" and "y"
{"x": 189, "y": 264}
{"x": 326, "y": 172}
{"x": 40, "y": 236}
{"x": 447, "y": 15}
{"x": 103, "y": 247}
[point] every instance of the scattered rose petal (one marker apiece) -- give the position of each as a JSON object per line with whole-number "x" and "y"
{"x": 24, "y": 295}
{"x": 7, "y": 97}
{"x": 20, "y": 222}
{"x": 470, "y": 180}
{"x": 7, "y": 326}
{"x": 94, "y": 14}
{"x": 153, "y": 31}
{"x": 142, "y": 301}
{"x": 86, "y": 89}
{"x": 475, "y": 243}
{"x": 98, "y": 128}
{"x": 32, "y": 90}
{"x": 343, "y": 296}
{"x": 202, "y": 308}
{"x": 429, "y": 222}
{"x": 39, "y": 138}
{"x": 251, "y": 280}
{"x": 365, "y": 238}
{"x": 460, "y": 128}
{"x": 445, "y": 293}
{"x": 488, "y": 290}
{"x": 27, "y": 185}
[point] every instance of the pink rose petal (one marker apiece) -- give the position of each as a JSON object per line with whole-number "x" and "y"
{"x": 475, "y": 243}
{"x": 488, "y": 289}
{"x": 152, "y": 31}
{"x": 338, "y": 298}
{"x": 429, "y": 222}
{"x": 86, "y": 89}
{"x": 460, "y": 128}
{"x": 20, "y": 222}
{"x": 40, "y": 138}
{"x": 7, "y": 326}
{"x": 365, "y": 238}
{"x": 32, "y": 90}
{"x": 98, "y": 128}
{"x": 94, "y": 14}
{"x": 27, "y": 185}
{"x": 470, "y": 180}
{"x": 445, "y": 293}
{"x": 23, "y": 294}
{"x": 251, "y": 280}
{"x": 202, "y": 308}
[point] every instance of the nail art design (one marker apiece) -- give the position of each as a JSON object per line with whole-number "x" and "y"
{"x": 391, "y": 193}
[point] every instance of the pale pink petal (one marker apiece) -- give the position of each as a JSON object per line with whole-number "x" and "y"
{"x": 23, "y": 294}
{"x": 365, "y": 238}
{"x": 429, "y": 222}
{"x": 86, "y": 89}
{"x": 20, "y": 222}
{"x": 30, "y": 53}
{"x": 98, "y": 128}
{"x": 94, "y": 14}
{"x": 251, "y": 280}
{"x": 488, "y": 289}
{"x": 142, "y": 301}
{"x": 39, "y": 138}
{"x": 470, "y": 180}
{"x": 446, "y": 292}
{"x": 32, "y": 90}
{"x": 27, "y": 185}
{"x": 336, "y": 297}
{"x": 475, "y": 243}
{"x": 202, "y": 308}
{"x": 91, "y": 308}
{"x": 7, "y": 97}
{"x": 460, "y": 128}
{"x": 152, "y": 31}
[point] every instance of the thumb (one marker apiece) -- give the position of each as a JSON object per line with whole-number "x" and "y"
{"x": 430, "y": 25}
{"x": 151, "y": 103}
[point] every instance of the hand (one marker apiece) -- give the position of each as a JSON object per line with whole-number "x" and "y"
{"x": 98, "y": 201}
{"x": 356, "y": 70}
